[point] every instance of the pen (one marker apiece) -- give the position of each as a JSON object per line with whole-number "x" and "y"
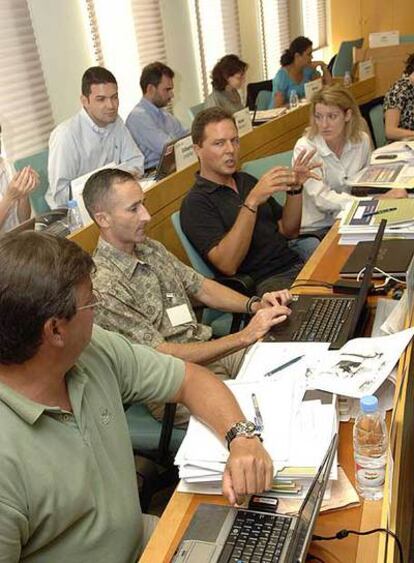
{"x": 283, "y": 366}
{"x": 380, "y": 212}
{"x": 258, "y": 420}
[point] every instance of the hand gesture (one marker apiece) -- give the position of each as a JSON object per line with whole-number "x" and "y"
{"x": 22, "y": 183}
{"x": 303, "y": 167}
{"x": 277, "y": 179}
{"x": 249, "y": 469}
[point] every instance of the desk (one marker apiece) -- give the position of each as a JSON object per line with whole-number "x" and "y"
{"x": 165, "y": 197}
{"x": 325, "y": 264}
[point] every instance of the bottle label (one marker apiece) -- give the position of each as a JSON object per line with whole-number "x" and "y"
{"x": 370, "y": 477}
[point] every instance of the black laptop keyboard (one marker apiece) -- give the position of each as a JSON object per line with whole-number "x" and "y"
{"x": 255, "y": 538}
{"x": 324, "y": 319}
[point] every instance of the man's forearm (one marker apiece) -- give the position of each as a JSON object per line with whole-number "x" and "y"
{"x": 292, "y": 216}
{"x": 23, "y": 208}
{"x": 229, "y": 253}
{"x": 217, "y": 296}
{"x": 204, "y": 352}
{"x": 209, "y": 400}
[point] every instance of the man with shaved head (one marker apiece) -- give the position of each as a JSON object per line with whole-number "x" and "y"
{"x": 147, "y": 293}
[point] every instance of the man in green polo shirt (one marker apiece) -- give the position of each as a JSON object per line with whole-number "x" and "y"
{"x": 68, "y": 489}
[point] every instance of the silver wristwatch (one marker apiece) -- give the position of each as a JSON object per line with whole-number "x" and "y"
{"x": 244, "y": 428}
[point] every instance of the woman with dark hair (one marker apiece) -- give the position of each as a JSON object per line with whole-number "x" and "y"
{"x": 227, "y": 77}
{"x": 297, "y": 68}
{"x": 399, "y": 105}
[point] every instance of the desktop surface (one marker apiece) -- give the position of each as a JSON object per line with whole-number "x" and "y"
{"x": 324, "y": 265}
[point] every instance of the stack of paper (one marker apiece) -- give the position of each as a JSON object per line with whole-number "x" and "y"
{"x": 362, "y": 217}
{"x": 296, "y": 434}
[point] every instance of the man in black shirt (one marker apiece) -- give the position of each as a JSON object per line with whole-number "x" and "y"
{"x": 232, "y": 218}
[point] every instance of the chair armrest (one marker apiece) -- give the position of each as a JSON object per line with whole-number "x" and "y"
{"x": 166, "y": 431}
{"x": 242, "y": 283}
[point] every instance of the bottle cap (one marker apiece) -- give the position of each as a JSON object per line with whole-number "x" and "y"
{"x": 369, "y": 403}
{"x": 72, "y": 203}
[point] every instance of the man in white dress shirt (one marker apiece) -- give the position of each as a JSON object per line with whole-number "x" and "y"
{"x": 90, "y": 139}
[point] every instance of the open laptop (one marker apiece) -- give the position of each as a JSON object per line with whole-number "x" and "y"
{"x": 329, "y": 318}
{"x": 222, "y": 534}
{"x": 166, "y": 163}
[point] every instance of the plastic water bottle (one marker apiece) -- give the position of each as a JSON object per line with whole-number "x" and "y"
{"x": 73, "y": 218}
{"x": 293, "y": 99}
{"x": 370, "y": 449}
{"x": 347, "y": 79}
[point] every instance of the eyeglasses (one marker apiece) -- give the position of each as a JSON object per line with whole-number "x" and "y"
{"x": 96, "y": 299}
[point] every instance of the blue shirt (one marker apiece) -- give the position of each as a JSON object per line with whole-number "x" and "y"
{"x": 284, "y": 84}
{"x": 78, "y": 146}
{"x": 151, "y": 128}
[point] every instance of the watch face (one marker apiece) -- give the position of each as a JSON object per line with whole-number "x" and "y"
{"x": 247, "y": 427}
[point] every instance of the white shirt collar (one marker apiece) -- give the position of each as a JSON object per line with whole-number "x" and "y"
{"x": 99, "y": 130}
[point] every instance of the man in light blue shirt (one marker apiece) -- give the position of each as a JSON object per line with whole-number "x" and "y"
{"x": 150, "y": 125}
{"x": 92, "y": 138}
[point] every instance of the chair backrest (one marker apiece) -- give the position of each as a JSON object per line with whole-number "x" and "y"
{"x": 39, "y": 163}
{"x": 196, "y": 261}
{"x": 373, "y": 113}
{"x": 260, "y": 166}
{"x": 344, "y": 60}
{"x": 376, "y": 116}
{"x": 194, "y": 110}
{"x": 253, "y": 88}
{"x": 263, "y": 100}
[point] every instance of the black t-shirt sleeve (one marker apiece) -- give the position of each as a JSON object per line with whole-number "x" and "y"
{"x": 201, "y": 222}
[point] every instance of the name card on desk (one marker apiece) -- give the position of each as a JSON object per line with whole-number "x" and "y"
{"x": 366, "y": 69}
{"x": 384, "y": 39}
{"x": 243, "y": 121}
{"x": 312, "y": 87}
{"x": 184, "y": 153}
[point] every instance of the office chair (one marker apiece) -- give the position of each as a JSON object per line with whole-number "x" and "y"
{"x": 344, "y": 60}
{"x": 373, "y": 113}
{"x": 39, "y": 163}
{"x": 264, "y": 100}
{"x": 157, "y": 442}
{"x": 221, "y": 323}
{"x": 194, "y": 110}
{"x": 260, "y": 166}
{"x": 253, "y": 89}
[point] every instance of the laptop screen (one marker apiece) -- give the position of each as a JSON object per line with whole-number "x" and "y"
{"x": 366, "y": 281}
{"x": 310, "y": 506}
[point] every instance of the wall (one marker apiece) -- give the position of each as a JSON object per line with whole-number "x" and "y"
{"x": 64, "y": 51}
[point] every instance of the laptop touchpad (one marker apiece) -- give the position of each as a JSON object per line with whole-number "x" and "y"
{"x": 207, "y": 522}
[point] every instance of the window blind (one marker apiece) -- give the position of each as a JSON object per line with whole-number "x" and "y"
{"x": 149, "y": 31}
{"x": 315, "y": 22}
{"x": 94, "y": 33}
{"x": 25, "y": 112}
{"x": 274, "y": 25}
{"x": 218, "y": 34}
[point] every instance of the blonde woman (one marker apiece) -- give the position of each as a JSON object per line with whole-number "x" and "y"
{"x": 337, "y": 133}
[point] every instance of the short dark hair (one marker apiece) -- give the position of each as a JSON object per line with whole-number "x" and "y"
{"x": 98, "y": 188}
{"x": 39, "y": 275}
{"x": 298, "y": 45}
{"x": 203, "y": 118}
{"x": 409, "y": 64}
{"x": 96, "y": 75}
{"x": 226, "y": 67}
{"x": 153, "y": 73}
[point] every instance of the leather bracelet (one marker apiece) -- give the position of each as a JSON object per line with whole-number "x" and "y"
{"x": 297, "y": 191}
{"x": 249, "y": 208}
{"x": 250, "y": 302}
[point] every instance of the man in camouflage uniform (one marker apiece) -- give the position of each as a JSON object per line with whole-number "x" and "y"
{"x": 147, "y": 293}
